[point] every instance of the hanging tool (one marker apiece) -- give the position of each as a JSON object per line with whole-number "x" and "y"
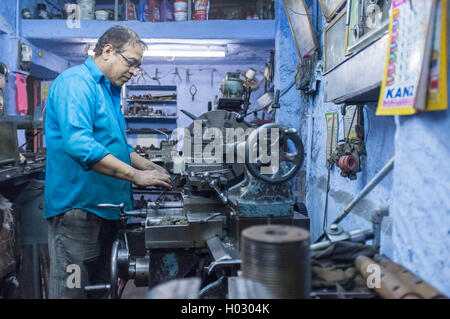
{"x": 212, "y": 73}
{"x": 188, "y": 76}
{"x": 141, "y": 76}
{"x": 176, "y": 74}
{"x": 161, "y": 197}
{"x": 193, "y": 91}
{"x": 212, "y": 77}
{"x": 156, "y": 77}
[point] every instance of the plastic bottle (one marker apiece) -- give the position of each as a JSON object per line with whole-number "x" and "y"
{"x": 167, "y": 10}
{"x": 143, "y": 11}
{"x": 154, "y": 11}
{"x": 180, "y": 9}
{"x": 178, "y": 164}
{"x": 201, "y": 8}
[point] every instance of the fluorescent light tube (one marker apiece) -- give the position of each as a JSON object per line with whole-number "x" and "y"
{"x": 185, "y": 53}
{"x": 173, "y": 51}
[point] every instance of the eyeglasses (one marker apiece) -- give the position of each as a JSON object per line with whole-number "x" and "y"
{"x": 131, "y": 64}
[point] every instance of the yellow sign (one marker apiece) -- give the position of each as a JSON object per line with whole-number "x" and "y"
{"x": 437, "y": 85}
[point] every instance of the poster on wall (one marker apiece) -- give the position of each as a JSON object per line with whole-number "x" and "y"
{"x": 330, "y": 7}
{"x": 301, "y": 26}
{"x": 437, "y": 84}
{"x": 405, "y": 83}
{"x": 350, "y": 121}
{"x": 45, "y": 88}
{"x": 332, "y": 133}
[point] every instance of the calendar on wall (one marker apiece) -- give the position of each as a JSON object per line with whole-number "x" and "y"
{"x": 405, "y": 83}
{"x": 437, "y": 84}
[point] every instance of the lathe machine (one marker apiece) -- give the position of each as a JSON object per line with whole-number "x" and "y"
{"x": 194, "y": 229}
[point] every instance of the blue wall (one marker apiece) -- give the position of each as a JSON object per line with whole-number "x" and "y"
{"x": 417, "y": 233}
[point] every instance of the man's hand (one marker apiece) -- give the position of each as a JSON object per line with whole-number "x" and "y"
{"x": 158, "y": 168}
{"x": 111, "y": 166}
{"x": 141, "y": 163}
{"x": 150, "y": 178}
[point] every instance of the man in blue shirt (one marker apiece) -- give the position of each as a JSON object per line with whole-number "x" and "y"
{"x": 89, "y": 162}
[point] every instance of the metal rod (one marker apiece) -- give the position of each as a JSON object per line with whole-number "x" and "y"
{"x": 190, "y": 115}
{"x": 116, "y": 10}
{"x": 36, "y": 272}
{"x": 371, "y": 185}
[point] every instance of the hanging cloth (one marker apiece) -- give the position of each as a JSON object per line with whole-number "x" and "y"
{"x": 21, "y": 94}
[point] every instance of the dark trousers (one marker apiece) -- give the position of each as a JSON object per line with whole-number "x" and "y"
{"x": 80, "y": 252}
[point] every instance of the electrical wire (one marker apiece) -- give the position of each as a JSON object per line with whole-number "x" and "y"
{"x": 29, "y": 139}
{"x": 369, "y": 127}
{"x": 325, "y": 214}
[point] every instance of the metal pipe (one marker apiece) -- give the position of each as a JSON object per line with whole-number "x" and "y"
{"x": 190, "y": 115}
{"x": 36, "y": 272}
{"x": 371, "y": 185}
{"x": 377, "y": 219}
{"x": 17, "y": 20}
{"x": 309, "y": 125}
{"x": 97, "y": 287}
{"x": 116, "y": 10}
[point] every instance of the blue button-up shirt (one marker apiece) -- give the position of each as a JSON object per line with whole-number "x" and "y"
{"x": 83, "y": 124}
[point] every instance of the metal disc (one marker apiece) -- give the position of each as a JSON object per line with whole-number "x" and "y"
{"x": 277, "y": 256}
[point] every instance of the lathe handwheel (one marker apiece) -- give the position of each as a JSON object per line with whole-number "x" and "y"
{"x": 114, "y": 268}
{"x": 296, "y": 158}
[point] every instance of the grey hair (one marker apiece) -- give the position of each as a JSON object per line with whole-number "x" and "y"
{"x": 119, "y": 37}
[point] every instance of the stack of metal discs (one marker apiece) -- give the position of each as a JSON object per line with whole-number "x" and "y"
{"x": 278, "y": 257}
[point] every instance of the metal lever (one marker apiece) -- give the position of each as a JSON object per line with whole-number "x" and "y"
{"x": 213, "y": 184}
{"x": 224, "y": 261}
{"x": 276, "y": 101}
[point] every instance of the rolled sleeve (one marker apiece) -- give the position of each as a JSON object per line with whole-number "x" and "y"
{"x": 96, "y": 153}
{"x": 75, "y": 109}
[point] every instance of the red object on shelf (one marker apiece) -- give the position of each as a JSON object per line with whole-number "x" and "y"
{"x": 201, "y": 7}
{"x": 154, "y": 11}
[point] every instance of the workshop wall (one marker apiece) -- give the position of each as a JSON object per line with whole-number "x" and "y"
{"x": 8, "y": 47}
{"x": 421, "y": 205}
{"x": 200, "y": 76}
{"x": 419, "y": 183}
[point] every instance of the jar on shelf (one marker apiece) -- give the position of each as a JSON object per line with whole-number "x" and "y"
{"x": 41, "y": 11}
{"x": 26, "y": 13}
{"x": 87, "y": 9}
{"x": 180, "y": 9}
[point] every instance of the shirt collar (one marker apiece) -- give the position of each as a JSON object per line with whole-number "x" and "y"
{"x": 97, "y": 74}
